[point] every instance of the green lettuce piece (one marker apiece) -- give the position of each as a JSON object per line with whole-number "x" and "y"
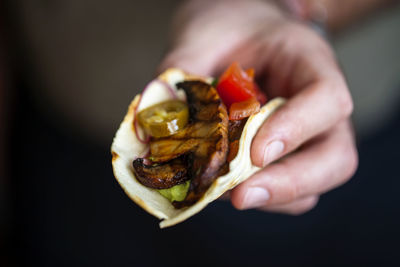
{"x": 176, "y": 193}
{"x": 214, "y": 82}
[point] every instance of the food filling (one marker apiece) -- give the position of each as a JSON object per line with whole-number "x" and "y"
{"x": 192, "y": 143}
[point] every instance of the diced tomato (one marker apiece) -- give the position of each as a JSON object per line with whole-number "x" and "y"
{"x": 244, "y": 109}
{"x": 250, "y": 73}
{"x": 235, "y": 85}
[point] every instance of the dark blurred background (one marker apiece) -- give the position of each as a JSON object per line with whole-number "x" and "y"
{"x": 70, "y": 69}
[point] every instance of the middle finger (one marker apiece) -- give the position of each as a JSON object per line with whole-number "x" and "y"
{"x": 318, "y": 167}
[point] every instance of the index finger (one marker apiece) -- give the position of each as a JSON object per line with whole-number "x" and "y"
{"x": 310, "y": 112}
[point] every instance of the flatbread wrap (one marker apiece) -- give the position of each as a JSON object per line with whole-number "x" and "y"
{"x": 135, "y": 158}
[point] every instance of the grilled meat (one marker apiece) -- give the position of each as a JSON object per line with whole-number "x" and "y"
{"x": 206, "y": 109}
{"x": 235, "y": 132}
{"x": 204, "y": 142}
{"x": 188, "y": 139}
{"x": 235, "y": 129}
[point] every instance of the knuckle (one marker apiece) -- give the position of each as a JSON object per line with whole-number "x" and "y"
{"x": 298, "y": 212}
{"x": 352, "y": 163}
{"x": 349, "y": 164}
{"x": 286, "y": 189}
{"x": 296, "y": 129}
{"x": 283, "y": 190}
{"x": 292, "y": 190}
{"x": 304, "y": 208}
{"x": 345, "y": 103}
{"x": 291, "y": 133}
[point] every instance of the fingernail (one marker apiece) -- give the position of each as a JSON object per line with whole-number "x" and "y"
{"x": 255, "y": 197}
{"x": 272, "y": 152}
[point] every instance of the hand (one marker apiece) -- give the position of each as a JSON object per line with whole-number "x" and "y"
{"x": 311, "y": 134}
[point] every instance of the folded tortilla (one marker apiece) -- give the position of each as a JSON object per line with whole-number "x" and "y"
{"x": 126, "y": 147}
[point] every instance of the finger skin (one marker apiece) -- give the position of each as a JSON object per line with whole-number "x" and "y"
{"x": 319, "y": 166}
{"x": 291, "y": 61}
{"x": 309, "y": 113}
{"x": 302, "y": 68}
{"x": 297, "y": 207}
{"x": 204, "y": 43}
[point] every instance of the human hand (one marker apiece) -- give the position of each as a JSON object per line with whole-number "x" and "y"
{"x": 311, "y": 134}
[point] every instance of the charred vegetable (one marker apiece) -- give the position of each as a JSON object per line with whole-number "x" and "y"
{"x": 203, "y": 143}
{"x": 160, "y": 176}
